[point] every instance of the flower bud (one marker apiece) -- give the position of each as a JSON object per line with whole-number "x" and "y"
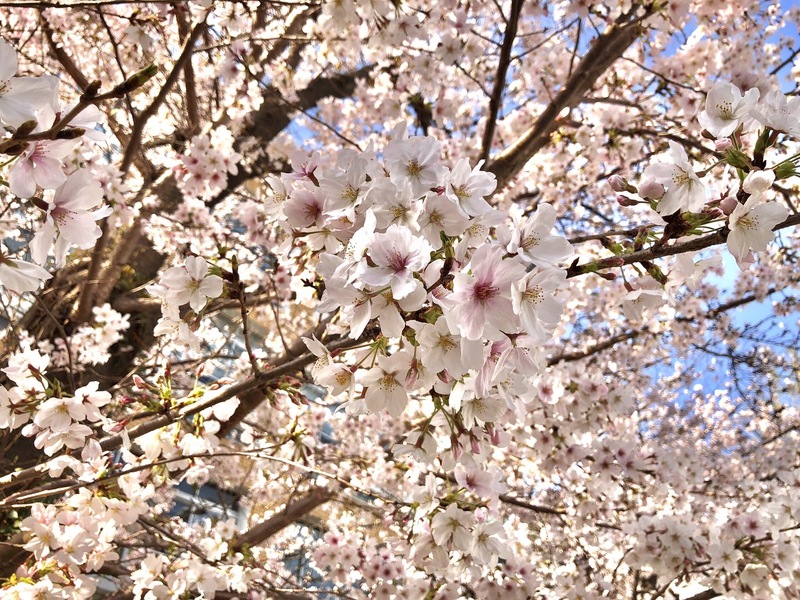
{"x": 24, "y": 129}
{"x": 723, "y": 145}
{"x": 136, "y": 80}
{"x": 15, "y": 149}
{"x": 494, "y": 435}
{"x": 651, "y": 190}
{"x": 758, "y": 182}
{"x": 618, "y": 183}
{"x": 455, "y": 446}
{"x": 70, "y": 134}
{"x": 625, "y": 201}
{"x": 475, "y": 445}
{"x": 119, "y": 426}
{"x": 727, "y": 204}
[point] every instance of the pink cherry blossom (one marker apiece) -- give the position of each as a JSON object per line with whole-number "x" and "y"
{"x": 482, "y": 296}
{"x": 72, "y": 215}
{"x": 398, "y": 256}
{"x": 40, "y": 165}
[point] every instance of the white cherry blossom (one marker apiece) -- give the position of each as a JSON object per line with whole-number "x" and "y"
{"x": 19, "y": 275}
{"x": 725, "y": 108}
{"x": 684, "y": 190}
{"x": 751, "y": 225}
{"x": 192, "y": 283}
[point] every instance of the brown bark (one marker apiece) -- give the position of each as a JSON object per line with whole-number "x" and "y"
{"x": 605, "y": 50}
{"x": 293, "y": 511}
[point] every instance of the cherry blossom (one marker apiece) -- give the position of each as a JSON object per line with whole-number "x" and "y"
{"x": 469, "y": 187}
{"x": 684, "y": 191}
{"x": 534, "y": 243}
{"x": 40, "y": 165}
{"x": 191, "y": 283}
{"x": 21, "y": 97}
{"x": 72, "y": 213}
{"x": 751, "y": 225}
{"x": 778, "y": 112}
{"x": 385, "y": 384}
{"x": 398, "y": 255}
{"x": 483, "y": 297}
{"x": 725, "y": 107}
{"x": 19, "y": 275}
{"x": 533, "y": 300}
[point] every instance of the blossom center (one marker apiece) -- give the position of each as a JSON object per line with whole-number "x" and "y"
{"x": 399, "y": 211}
{"x": 725, "y": 109}
{"x": 389, "y": 381}
{"x": 748, "y": 222}
{"x": 533, "y": 295}
{"x": 312, "y": 210}
{"x": 446, "y": 342}
{"x": 436, "y": 218}
{"x": 461, "y": 192}
{"x": 60, "y": 215}
{"x": 483, "y": 291}
{"x": 680, "y": 178}
{"x": 414, "y": 168}
{"x": 349, "y": 193}
{"x": 398, "y": 262}
{"x": 530, "y": 242}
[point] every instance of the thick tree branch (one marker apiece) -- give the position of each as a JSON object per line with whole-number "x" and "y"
{"x": 293, "y": 511}
{"x": 275, "y": 114}
{"x": 496, "y": 99}
{"x": 605, "y": 50}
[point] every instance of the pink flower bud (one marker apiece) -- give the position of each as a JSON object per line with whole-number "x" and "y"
{"x": 119, "y": 426}
{"x": 625, "y": 201}
{"x": 723, "y": 144}
{"x": 651, "y": 190}
{"x": 475, "y": 445}
{"x": 494, "y": 436}
{"x": 455, "y": 446}
{"x": 618, "y": 183}
{"x": 727, "y": 204}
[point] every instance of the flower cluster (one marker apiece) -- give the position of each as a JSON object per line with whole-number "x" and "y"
{"x": 73, "y": 200}
{"x": 673, "y": 186}
{"x": 459, "y": 299}
{"x": 190, "y": 284}
{"x": 203, "y": 171}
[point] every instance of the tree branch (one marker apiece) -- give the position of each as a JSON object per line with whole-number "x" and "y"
{"x": 495, "y": 100}
{"x": 605, "y": 50}
{"x": 290, "y": 513}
